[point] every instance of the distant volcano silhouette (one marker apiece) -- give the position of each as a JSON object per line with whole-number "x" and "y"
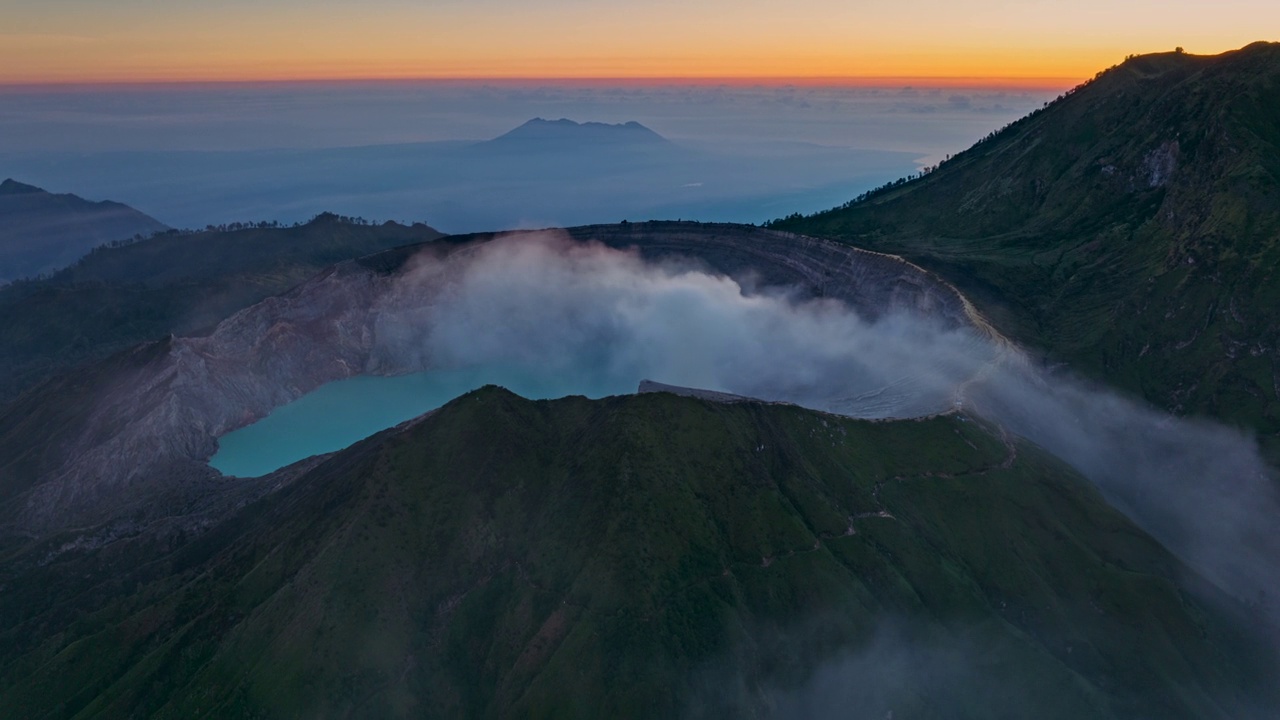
{"x": 541, "y": 132}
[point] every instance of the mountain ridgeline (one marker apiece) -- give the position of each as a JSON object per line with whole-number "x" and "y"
{"x": 1130, "y": 229}
{"x": 41, "y": 232}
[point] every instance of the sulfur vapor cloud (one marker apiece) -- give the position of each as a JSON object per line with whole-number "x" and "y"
{"x": 598, "y": 320}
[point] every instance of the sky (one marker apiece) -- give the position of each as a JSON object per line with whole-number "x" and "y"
{"x": 1028, "y": 41}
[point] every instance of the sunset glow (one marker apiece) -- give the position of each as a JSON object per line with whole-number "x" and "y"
{"x": 985, "y": 42}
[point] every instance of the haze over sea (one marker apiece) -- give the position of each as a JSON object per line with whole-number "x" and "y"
{"x": 200, "y": 154}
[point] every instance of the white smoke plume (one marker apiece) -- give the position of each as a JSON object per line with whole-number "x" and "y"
{"x": 597, "y": 319}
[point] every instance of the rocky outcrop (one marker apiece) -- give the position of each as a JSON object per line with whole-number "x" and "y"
{"x": 358, "y": 318}
{"x": 1159, "y": 165}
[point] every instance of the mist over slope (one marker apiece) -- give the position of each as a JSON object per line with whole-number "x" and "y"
{"x": 41, "y": 232}
{"x": 1129, "y": 229}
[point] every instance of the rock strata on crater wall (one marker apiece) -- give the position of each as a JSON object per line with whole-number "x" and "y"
{"x": 871, "y": 283}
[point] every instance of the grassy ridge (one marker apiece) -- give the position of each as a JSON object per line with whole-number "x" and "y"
{"x": 579, "y": 558}
{"x": 41, "y": 232}
{"x": 1131, "y": 229}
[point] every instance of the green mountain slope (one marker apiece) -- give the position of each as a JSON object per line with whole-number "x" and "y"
{"x": 640, "y": 556}
{"x": 171, "y": 284}
{"x": 1132, "y": 229}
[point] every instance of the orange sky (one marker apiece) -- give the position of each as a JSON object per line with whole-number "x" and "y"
{"x": 1030, "y": 42}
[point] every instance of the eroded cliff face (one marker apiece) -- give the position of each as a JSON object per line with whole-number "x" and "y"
{"x": 365, "y": 317}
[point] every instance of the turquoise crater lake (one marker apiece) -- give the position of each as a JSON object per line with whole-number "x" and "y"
{"x": 340, "y": 413}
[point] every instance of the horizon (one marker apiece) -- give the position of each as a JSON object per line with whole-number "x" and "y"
{"x": 146, "y": 41}
{"x": 891, "y": 82}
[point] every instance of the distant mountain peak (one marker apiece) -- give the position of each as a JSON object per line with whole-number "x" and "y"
{"x": 13, "y": 187}
{"x": 542, "y": 130}
{"x": 44, "y": 231}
